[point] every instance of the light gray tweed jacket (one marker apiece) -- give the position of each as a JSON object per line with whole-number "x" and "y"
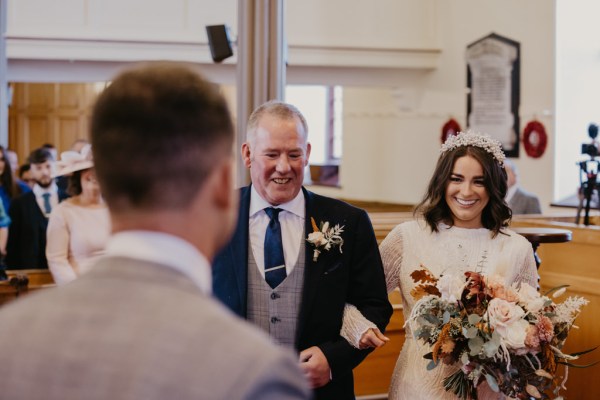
{"x": 134, "y": 330}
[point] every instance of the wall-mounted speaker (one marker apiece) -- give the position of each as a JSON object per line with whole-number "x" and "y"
{"x": 219, "y": 43}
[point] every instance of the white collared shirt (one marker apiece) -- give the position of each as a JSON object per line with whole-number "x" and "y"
{"x": 292, "y": 228}
{"x": 161, "y": 248}
{"x": 39, "y": 191}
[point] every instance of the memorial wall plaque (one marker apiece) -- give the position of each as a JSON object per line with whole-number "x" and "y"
{"x": 493, "y": 78}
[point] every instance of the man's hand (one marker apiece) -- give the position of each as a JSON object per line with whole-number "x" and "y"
{"x": 315, "y": 366}
{"x": 372, "y": 338}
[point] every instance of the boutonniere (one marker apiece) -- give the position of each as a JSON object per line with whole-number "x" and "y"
{"x": 325, "y": 238}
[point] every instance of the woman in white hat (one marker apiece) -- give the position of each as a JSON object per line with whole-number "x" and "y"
{"x": 78, "y": 227}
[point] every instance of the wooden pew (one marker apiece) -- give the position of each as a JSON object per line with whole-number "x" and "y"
{"x": 23, "y": 281}
{"x": 12, "y": 288}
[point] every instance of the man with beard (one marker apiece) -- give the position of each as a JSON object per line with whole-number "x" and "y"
{"x": 26, "y": 247}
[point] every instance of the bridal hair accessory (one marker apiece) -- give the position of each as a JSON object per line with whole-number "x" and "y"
{"x": 469, "y": 138}
{"x": 325, "y": 238}
{"x": 71, "y": 161}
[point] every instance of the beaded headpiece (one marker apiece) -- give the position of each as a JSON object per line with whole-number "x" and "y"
{"x": 469, "y": 138}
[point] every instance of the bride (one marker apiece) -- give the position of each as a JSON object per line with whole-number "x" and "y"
{"x": 461, "y": 226}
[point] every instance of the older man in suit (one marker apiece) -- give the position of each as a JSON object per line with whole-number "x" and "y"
{"x": 519, "y": 200}
{"x": 142, "y": 324}
{"x": 293, "y": 288}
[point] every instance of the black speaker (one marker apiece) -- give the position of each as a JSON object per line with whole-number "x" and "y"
{"x": 218, "y": 40}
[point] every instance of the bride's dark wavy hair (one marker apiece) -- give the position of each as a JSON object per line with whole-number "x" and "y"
{"x": 496, "y": 214}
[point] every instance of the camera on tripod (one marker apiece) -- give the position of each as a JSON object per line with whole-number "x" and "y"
{"x": 588, "y": 175}
{"x": 591, "y": 149}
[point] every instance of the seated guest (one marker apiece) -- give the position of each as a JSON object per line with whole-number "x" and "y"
{"x": 519, "y": 200}
{"x": 29, "y": 213}
{"x": 79, "y": 227}
{"x": 142, "y": 323}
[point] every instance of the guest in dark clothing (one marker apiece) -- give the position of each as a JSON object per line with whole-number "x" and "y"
{"x": 29, "y": 213}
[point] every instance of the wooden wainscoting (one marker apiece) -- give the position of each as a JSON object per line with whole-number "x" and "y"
{"x": 577, "y": 264}
{"x": 56, "y": 113}
{"x": 373, "y": 375}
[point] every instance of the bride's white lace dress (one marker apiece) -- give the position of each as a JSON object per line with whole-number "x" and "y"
{"x": 412, "y": 245}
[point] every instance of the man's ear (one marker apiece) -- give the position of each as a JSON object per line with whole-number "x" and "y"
{"x": 246, "y": 156}
{"x": 307, "y": 154}
{"x": 223, "y": 185}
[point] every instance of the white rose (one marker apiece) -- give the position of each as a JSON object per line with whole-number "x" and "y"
{"x": 451, "y": 287}
{"x": 502, "y": 313}
{"x": 514, "y": 335}
{"x": 317, "y": 238}
{"x": 530, "y": 298}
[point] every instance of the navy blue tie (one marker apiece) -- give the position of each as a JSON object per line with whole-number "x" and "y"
{"x": 274, "y": 259}
{"x": 47, "y": 205}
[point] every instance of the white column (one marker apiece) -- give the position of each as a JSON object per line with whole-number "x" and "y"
{"x": 260, "y": 63}
{"x": 3, "y": 73}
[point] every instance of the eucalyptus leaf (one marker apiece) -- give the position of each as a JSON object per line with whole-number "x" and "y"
{"x": 446, "y": 317}
{"x": 431, "y": 365}
{"x": 475, "y": 345}
{"x": 474, "y": 318}
{"x": 491, "y": 347}
{"x": 470, "y": 332}
{"x": 492, "y": 382}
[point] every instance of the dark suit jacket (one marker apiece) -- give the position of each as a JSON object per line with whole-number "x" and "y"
{"x": 26, "y": 247}
{"x": 354, "y": 276}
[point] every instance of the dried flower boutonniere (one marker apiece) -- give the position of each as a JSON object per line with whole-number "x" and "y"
{"x": 325, "y": 238}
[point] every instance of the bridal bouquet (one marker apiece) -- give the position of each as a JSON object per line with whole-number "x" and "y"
{"x": 509, "y": 336}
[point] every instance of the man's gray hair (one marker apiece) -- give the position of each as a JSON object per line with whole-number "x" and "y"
{"x": 278, "y": 109}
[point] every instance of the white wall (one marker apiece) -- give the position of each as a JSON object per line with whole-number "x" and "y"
{"x": 392, "y": 134}
{"x": 577, "y": 87}
{"x": 401, "y": 61}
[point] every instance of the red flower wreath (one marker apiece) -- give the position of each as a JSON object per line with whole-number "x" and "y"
{"x": 450, "y": 128}
{"x": 535, "y": 139}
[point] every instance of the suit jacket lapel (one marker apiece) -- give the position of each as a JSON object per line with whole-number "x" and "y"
{"x": 239, "y": 248}
{"x": 312, "y": 269}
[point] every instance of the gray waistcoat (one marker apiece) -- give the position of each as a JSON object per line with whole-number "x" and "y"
{"x": 276, "y": 310}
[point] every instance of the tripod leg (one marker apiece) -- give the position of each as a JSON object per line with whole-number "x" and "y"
{"x": 581, "y": 196}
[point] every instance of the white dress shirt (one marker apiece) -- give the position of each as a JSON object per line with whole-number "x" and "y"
{"x": 292, "y": 228}
{"x": 39, "y": 192}
{"x": 165, "y": 249}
